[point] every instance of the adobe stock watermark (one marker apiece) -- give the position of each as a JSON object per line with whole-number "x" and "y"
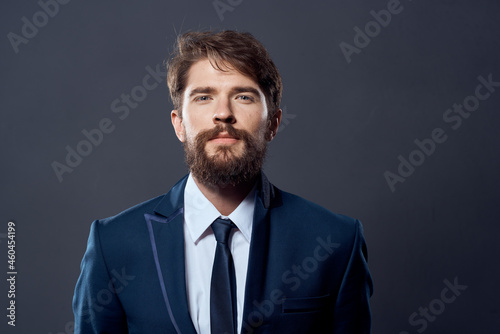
{"x": 222, "y": 6}
{"x": 69, "y": 328}
{"x": 120, "y": 108}
{"x": 116, "y": 285}
{"x": 429, "y": 313}
{"x": 285, "y": 119}
{"x": 30, "y": 28}
{"x": 118, "y": 282}
{"x": 363, "y": 37}
{"x": 292, "y": 278}
{"x": 452, "y": 117}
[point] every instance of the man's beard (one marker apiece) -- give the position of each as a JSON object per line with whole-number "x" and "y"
{"x": 225, "y": 167}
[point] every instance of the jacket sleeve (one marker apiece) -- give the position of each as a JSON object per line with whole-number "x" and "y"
{"x": 96, "y": 305}
{"x": 352, "y": 309}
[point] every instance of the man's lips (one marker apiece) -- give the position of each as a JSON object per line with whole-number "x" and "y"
{"x": 224, "y": 138}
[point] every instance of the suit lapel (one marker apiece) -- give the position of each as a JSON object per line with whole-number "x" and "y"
{"x": 259, "y": 248}
{"x": 167, "y": 241}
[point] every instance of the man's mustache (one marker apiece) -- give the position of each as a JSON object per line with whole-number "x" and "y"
{"x": 214, "y": 132}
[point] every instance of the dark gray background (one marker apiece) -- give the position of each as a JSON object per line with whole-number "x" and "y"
{"x": 345, "y": 125}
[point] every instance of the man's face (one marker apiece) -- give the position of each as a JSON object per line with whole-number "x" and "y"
{"x": 224, "y": 125}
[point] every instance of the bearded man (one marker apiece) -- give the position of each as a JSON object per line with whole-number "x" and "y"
{"x": 224, "y": 251}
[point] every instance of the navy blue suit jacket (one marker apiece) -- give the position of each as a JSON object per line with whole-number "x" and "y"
{"x": 307, "y": 270}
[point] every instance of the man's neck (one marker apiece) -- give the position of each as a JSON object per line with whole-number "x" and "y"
{"x": 225, "y": 198}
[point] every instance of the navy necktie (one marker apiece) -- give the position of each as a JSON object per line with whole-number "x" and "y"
{"x": 223, "y": 285}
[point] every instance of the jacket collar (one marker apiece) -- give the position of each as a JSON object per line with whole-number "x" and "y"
{"x": 174, "y": 199}
{"x": 166, "y": 235}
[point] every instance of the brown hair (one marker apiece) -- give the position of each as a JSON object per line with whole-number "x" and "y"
{"x": 225, "y": 50}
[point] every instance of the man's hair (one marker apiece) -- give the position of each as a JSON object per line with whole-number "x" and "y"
{"x": 225, "y": 50}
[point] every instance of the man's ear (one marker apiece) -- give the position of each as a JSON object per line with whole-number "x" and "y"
{"x": 274, "y": 124}
{"x": 177, "y": 124}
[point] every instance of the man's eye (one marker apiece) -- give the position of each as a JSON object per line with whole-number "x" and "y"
{"x": 202, "y": 98}
{"x": 245, "y": 98}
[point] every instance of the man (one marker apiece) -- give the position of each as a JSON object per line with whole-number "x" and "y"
{"x": 224, "y": 251}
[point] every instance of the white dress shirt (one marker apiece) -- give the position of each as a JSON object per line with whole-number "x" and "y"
{"x": 199, "y": 246}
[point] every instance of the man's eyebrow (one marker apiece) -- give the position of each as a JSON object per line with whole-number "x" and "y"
{"x": 245, "y": 89}
{"x": 234, "y": 90}
{"x": 202, "y": 90}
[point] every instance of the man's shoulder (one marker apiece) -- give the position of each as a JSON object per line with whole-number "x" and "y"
{"x": 136, "y": 213}
{"x": 298, "y": 210}
{"x": 132, "y": 214}
{"x": 297, "y": 203}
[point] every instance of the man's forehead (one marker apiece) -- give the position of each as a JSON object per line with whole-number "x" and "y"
{"x": 204, "y": 74}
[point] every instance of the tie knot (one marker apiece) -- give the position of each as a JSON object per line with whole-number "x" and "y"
{"x": 222, "y": 228}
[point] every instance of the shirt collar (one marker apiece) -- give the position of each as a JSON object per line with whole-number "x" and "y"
{"x": 199, "y": 212}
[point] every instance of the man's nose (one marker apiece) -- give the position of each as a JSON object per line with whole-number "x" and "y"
{"x": 224, "y": 113}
